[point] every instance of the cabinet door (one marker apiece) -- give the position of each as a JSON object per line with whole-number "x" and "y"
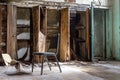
{"x": 65, "y": 35}
{"x": 39, "y": 21}
{"x": 11, "y": 30}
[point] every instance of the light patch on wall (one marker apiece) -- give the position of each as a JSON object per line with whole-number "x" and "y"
{"x": 83, "y": 1}
{"x": 55, "y": 0}
{"x": 103, "y": 2}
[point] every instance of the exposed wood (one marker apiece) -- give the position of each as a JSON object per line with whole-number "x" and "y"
{"x": 36, "y": 29}
{"x": 11, "y": 31}
{"x": 88, "y": 33}
{"x": 43, "y": 27}
{"x": 65, "y": 35}
{"x": 39, "y": 32}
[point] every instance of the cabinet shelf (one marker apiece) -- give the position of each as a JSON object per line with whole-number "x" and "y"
{"x": 23, "y": 36}
{"x": 23, "y": 26}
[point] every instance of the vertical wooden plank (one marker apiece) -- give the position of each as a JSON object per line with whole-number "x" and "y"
{"x": 0, "y": 26}
{"x": 88, "y": 33}
{"x": 39, "y": 32}
{"x": 36, "y": 30}
{"x": 44, "y": 20}
{"x": 65, "y": 35}
{"x": 43, "y": 25}
{"x": 11, "y": 30}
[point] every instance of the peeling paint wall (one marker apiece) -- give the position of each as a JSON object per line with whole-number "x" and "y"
{"x": 116, "y": 29}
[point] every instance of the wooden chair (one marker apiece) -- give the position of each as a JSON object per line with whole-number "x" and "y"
{"x": 46, "y": 54}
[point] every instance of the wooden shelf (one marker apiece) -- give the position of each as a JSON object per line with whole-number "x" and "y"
{"x": 23, "y": 26}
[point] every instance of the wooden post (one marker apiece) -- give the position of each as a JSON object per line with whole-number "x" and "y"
{"x": 65, "y": 35}
{"x": 11, "y": 30}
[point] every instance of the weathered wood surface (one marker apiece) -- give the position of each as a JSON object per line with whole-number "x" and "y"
{"x": 65, "y": 35}
{"x": 83, "y": 35}
{"x": 39, "y": 30}
{"x": 11, "y": 30}
{"x": 0, "y": 27}
{"x": 88, "y": 34}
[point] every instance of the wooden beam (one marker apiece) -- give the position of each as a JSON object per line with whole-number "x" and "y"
{"x": 88, "y": 33}
{"x": 65, "y": 35}
{"x": 11, "y": 30}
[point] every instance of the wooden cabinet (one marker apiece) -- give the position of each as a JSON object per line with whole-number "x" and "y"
{"x": 82, "y": 35}
{"x": 23, "y": 33}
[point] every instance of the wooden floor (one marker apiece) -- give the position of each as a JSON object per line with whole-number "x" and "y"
{"x": 76, "y": 70}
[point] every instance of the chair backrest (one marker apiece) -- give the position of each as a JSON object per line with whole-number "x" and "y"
{"x": 54, "y": 43}
{"x": 7, "y": 59}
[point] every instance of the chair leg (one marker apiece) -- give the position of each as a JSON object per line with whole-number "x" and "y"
{"x": 32, "y": 63}
{"x": 58, "y": 63}
{"x": 48, "y": 62}
{"x": 42, "y": 65}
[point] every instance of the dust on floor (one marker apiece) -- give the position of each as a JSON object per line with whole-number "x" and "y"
{"x": 74, "y": 70}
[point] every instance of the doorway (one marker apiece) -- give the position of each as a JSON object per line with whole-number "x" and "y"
{"x": 100, "y": 24}
{"x": 80, "y": 35}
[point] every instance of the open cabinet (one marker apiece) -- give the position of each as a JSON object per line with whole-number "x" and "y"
{"x": 81, "y": 35}
{"x": 27, "y": 32}
{"x": 18, "y": 34}
{"x": 23, "y": 27}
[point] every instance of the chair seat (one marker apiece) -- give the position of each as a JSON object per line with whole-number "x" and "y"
{"x": 44, "y": 53}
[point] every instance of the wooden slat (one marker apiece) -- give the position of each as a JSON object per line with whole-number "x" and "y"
{"x": 11, "y": 30}
{"x": 65, "y": 35}
{"x": 0, "y": 26}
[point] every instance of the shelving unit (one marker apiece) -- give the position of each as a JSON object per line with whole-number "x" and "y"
{"x": 23, "y": 34}
{"x": 82, "y": 35}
